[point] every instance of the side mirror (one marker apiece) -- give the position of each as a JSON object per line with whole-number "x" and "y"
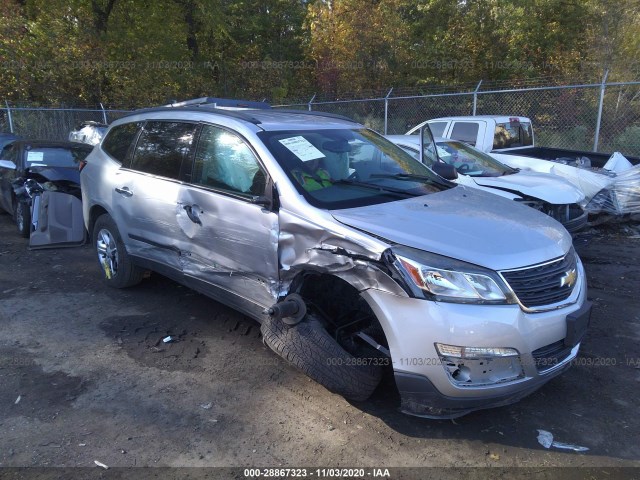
{"x": 446, "y": 171}
{"x": 261, "y": 200}
{"x": 7, "y": 164}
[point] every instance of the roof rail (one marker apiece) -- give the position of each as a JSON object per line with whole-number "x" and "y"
{"x": 220, "y": 103}
{"x": 316, "y": 113}
{"x": 242, "y": 114}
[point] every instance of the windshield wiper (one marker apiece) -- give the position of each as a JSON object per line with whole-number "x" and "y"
{"x": 379, "y": 188}
{"x": 410, "y": 177}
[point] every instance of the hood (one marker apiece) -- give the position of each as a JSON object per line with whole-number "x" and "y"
{"x": 550, "y": 188}
{"x": 465, "y": 224}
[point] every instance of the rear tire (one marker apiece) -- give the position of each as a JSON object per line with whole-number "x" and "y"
{"x": 22, "y": 217}
{"x": 114, "y": 261}
{"x": 310, "y": 348}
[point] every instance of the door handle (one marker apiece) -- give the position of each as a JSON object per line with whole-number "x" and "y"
{"x": 192, "y": 213}
{"x": 124, "y": 191}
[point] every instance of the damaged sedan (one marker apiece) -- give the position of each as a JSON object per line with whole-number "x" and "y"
{"x": 548, "y": 193}
{"x": 40, "y": 187}
{"x": 355, "y": 259}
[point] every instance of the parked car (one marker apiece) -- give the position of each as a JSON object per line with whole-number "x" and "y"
{"x": 89, "y": 132}
{"x": 353, "y": 257}
{"x": 548, "y": 193}
{"x": 52, "y": 165}
{"x": 610, "y": 182}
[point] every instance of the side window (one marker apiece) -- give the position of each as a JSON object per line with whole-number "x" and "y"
{"x": 437, "y": 128}
{"x": 119, "y": 140}
{"x": 163, "y": 147}
{"x": 225, "y": 161}
{"x": 466, "y": 132}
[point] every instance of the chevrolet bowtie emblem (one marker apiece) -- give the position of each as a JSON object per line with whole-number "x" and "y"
{"x": 569, "y": 278}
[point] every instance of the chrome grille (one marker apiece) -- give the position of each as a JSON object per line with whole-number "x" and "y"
{"x": 542, "y": 284}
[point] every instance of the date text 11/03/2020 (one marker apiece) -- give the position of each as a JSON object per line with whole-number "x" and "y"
{"x": 317, "y": 472}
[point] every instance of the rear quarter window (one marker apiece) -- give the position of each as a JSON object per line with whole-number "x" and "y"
{"x": 164, "y": 148}
{"x": 119, "y": 140}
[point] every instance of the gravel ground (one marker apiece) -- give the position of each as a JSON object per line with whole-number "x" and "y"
{"x": 85, "y": 376}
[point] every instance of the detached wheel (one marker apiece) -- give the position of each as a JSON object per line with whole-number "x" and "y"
{"x": 310, "y": 348}
{"x": 22, "y": 217}
{"x": 116, "y": 266}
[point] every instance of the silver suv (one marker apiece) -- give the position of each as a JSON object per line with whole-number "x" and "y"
{"x": 354, "y": 258}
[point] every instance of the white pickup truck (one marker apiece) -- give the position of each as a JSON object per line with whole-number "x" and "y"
{"x": 506, "y": 134}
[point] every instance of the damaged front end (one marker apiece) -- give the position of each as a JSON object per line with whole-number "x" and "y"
{"x": 572, "y": 216}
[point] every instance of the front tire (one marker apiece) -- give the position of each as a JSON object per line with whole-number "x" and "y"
{"x": 114, "y": 261}
{"x": 309, "y": 347}
{"x": 22, "y": 217}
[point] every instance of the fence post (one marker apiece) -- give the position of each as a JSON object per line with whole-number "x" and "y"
{"x": 475, "y": 97}
{"x": 9, "y": 117}
{"x": 104, "y": 114}
{"x": 311, "y": 101}
{"x": 386, "y": 109}
{"x": 603, "y": 86}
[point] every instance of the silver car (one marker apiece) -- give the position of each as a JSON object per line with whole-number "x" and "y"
{"x": 355, "y": 259}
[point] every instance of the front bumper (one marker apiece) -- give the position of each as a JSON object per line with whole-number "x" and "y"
{"x": 426, "y": 386}
{"x": 420, "y": 398}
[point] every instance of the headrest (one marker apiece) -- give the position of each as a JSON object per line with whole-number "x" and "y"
{"x": 337, "y": 146}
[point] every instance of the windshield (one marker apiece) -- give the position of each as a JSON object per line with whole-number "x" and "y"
{"x": 55, "y": 156}
{"x": 343, "y": 168}
{"x": 468, "y": 160}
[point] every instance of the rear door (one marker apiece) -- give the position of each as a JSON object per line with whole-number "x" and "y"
{"x": 148, "y": 187}
{"x": 229, "y": 240}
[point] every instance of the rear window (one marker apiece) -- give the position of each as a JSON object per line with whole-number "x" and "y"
{"x": 119, "y": 140}
{"x": 55, "y": 156}
{"x": 466, "y": 132}
{"x": 513, "y": 134}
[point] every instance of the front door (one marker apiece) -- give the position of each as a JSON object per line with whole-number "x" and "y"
{"x": 229, "y": 240}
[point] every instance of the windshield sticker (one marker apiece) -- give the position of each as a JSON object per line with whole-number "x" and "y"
{"x": 35, "y": 156}
{"x": 302, "y": 148}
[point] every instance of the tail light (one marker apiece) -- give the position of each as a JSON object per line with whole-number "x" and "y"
{"x": 81, "y": 165}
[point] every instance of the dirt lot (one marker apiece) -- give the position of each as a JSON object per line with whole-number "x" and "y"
{"x": 95, "y": 382}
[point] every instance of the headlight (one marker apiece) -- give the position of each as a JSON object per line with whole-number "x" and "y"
{"x": 448, "y": 280}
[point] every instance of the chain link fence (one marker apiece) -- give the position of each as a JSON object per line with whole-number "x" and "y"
{"x": 603, "y": 117}
{"x": 51, "y": 123}
{"x": 563, "y": 116}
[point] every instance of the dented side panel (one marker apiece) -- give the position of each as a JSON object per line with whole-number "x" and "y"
{"x": 145, "y": 215}
{"x": 228, "y": 242}
{"x": 315, "y": 244}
